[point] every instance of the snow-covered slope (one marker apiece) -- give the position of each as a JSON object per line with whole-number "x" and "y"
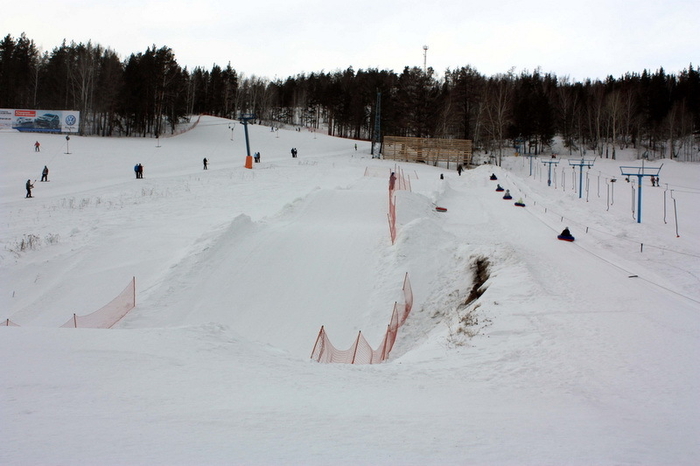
{"x": 575, "y": 353}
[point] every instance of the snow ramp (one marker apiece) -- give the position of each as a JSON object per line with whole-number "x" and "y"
{"x": 278, "y": 280}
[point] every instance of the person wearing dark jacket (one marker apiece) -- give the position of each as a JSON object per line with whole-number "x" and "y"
{"x": 29, "y": 187}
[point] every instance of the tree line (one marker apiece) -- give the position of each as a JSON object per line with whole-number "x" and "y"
{"x": 149, "y": 93}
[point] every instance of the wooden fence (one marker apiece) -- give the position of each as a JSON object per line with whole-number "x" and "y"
{"x": 428, "y": 150}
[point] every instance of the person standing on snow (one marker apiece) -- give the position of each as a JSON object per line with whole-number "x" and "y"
{"x": 37, "y": 147}
{"x": 45, "y": 174}
{"x": 392, "y": 181}
{"x": 29, "y": 187}
{"x": 205, "y": 163}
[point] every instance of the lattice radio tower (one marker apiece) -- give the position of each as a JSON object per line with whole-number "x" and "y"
{"x": 377, "y": 137}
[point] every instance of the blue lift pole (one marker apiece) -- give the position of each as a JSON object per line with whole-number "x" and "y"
{"x": 581, "y": 164}
{"x": 244, "y": 120}
{"x": 641, "y": 172}
{"x": 530, "y": 156}
{"x": 549, "y": 170}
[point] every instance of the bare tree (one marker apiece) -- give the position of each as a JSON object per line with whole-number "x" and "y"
{"x": 614, "y": 109}
{"x": 497, "y": 107}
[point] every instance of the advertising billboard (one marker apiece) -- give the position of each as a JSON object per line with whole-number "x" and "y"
{"x": 46, "y": 121}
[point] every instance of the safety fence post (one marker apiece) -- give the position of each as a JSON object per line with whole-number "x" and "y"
{"x": 357, "y": 342}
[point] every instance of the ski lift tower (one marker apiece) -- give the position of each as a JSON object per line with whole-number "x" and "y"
{"x": 244, "y": 121}
{"x": 531, "y": 156}
{"x": 640, "y": 173}
{"x": 549, "y": 169}
{"x": 580, "y": 165}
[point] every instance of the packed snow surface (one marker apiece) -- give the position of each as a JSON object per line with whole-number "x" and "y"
{"x": 571, "y": 353}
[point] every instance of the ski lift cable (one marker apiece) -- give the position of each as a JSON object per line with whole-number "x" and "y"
{"x": 619, "y": 267}
{"x": 595, "y": 230}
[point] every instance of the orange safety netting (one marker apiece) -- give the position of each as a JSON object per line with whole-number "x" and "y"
{"x": 397, "y": 181}
{"x": 108, "y": 315}
{"x": 392, "y": 217}
{"x": 8, "y": 323}
{"x": 184, "y": 130}
{"x": 361, "y": 352}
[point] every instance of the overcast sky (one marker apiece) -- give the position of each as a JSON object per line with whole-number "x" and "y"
{"x": 281, "y": 38}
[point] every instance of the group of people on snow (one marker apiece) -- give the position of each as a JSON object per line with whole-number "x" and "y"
{"x": 138, "y": 169}
{"x": 29, "y": 185}
{"x": 44, "y": 174}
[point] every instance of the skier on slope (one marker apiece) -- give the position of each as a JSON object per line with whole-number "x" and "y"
{"x": 29, "y": 187}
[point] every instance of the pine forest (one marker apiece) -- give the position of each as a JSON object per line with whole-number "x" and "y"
{"x": 149, "y": 93}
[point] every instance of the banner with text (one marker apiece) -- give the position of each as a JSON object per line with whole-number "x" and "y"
{"x": 46, "y": 121}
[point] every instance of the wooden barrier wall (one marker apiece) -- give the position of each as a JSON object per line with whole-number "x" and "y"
{"x": 428, "y": 150}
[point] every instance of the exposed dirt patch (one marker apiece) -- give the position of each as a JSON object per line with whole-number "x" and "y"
{"x": 480, "y": 268}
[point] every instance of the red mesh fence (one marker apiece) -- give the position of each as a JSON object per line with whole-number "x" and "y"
{"x": 183, "y": 130}
{"x": 392, "y": 217}
{"x": 361, "y": 351}
{"x": 397, "y": 180}
{"x": 408, "y": 300}
{"x": 107, "y": 315}
{"x": 402, "y": 181}
{"x": 8, "y": 323}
